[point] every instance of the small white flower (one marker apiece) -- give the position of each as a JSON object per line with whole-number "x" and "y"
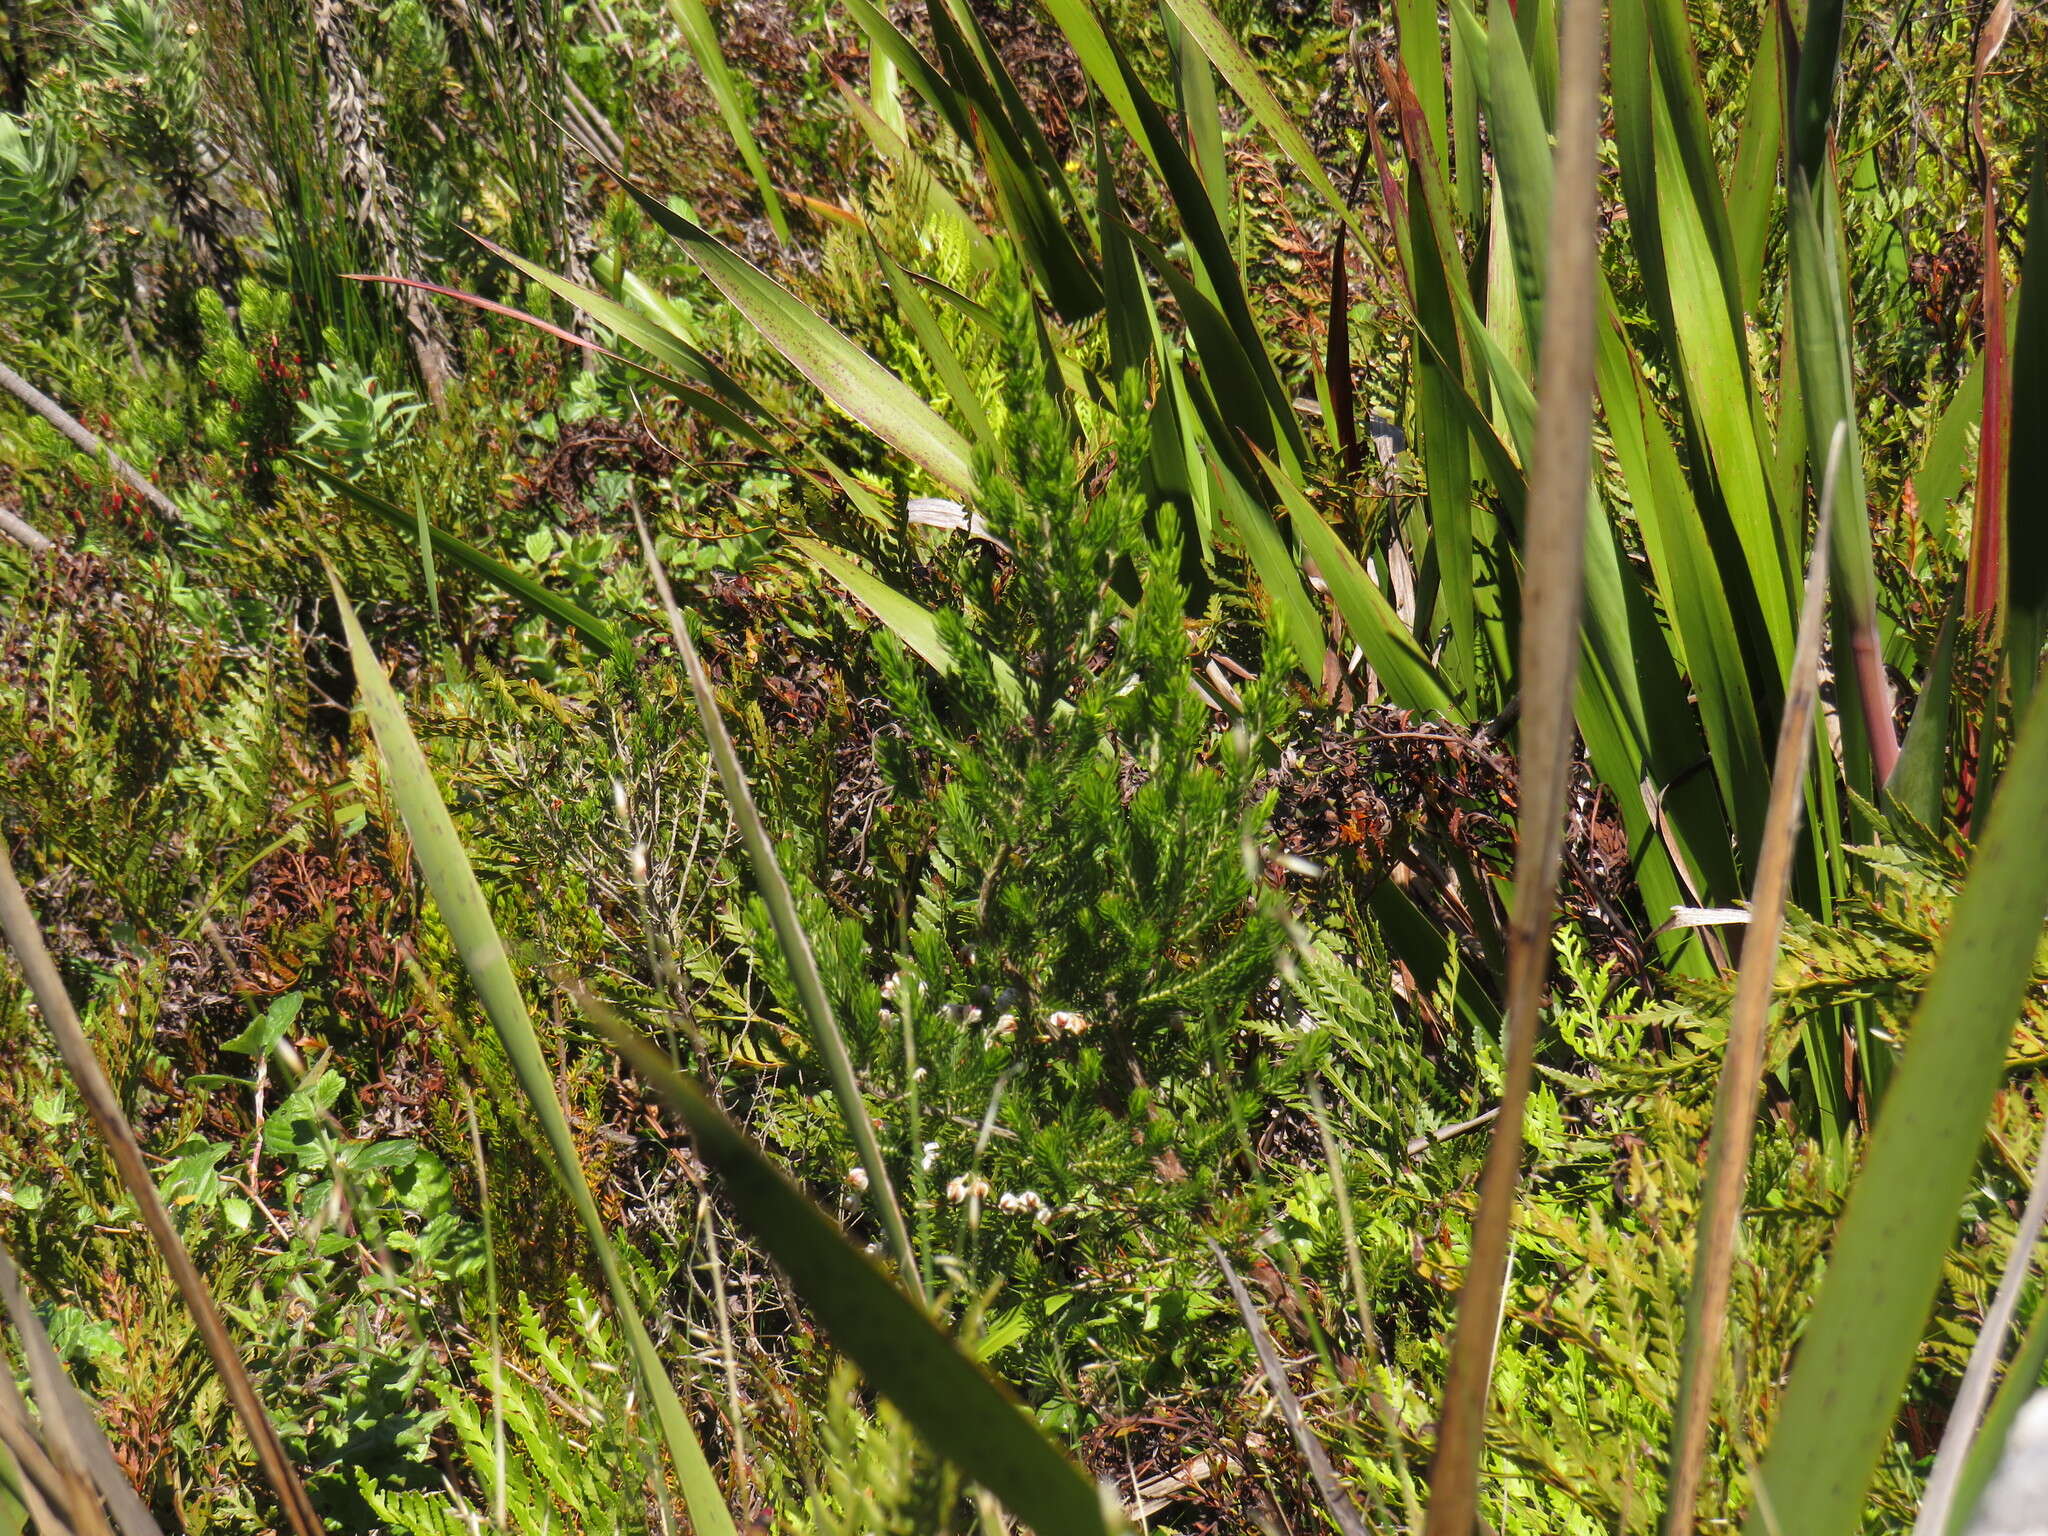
{"x": 931, "y": 1156}
{"x": 1025, "y": 1201}
{"x": 1064, "y": 1021}
{"x": 857, "y": 1176}
{"x": 890, "y": 983}
{"x": 973, "y": 1014}
{"x": 1005, "y": 1027}
{"x": 963, "y": 1188}
{"x": 919, "y": 1075}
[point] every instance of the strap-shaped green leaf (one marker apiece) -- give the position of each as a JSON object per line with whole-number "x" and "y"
{"x": 445, "y": 864}
{"x": 1901, "y": 1218}
{"x": 1411, "y": 680}
{"x": 841, "y": 371}
{"x": 702, "y": 37}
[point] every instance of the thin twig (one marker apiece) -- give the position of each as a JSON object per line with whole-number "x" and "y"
{"x": 1554, "y": 539}
{"x": 1436, "y": 1138}
{"x": 86, "y": 442}
{"x": 26, "y": 534}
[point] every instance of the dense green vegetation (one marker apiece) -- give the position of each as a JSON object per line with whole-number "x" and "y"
{"x": 646, "y": 647}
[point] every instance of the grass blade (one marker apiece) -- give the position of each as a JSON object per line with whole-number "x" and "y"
{"x": 514, "y": 583}
{"x": 702, "y": 37}
{"x": 789, "y": 929}
{"x": 1742, "y": 1066}
{"x": 445, "y": 864}
{"x": 1343, "y": 1513}
{"x": 1554, "y": 554}
{"x": 966, "y": 1416}
{"x": 25, "y": 937}
{"x": 1886, "y": 1264}
{"x": 727, "y": 402}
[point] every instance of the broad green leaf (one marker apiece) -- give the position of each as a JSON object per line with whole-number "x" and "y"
{"x": 939, "y": 203}
{"x": 963, "y": 1413}
{"x": 1213, "y": 36}
{"x": 467, "y": 916}
{"x": 1099, "y": 58}
{"x": 1419, "y": 944}
{"x": 1677, "y": 75}
{"x": 945, "y": 359}
{"x": 1218, "y": 275}
{"x": 1753, "y": 181}
{"x": 890, "y": 42}
{"x": 1827, "y": 379}
{"x": 1859, "y": 1347}
{"x": 1294, "y": 614}
{"x": 1249, "y": 401}
{"x": 1940, "y": 476}
{"x": 1028, "y": 180}
{"x": 1916, "y": 784}
{"x": 1195, "y": 95}
{"x": 660, "y": 332}
{"x": 904, "y": 617}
